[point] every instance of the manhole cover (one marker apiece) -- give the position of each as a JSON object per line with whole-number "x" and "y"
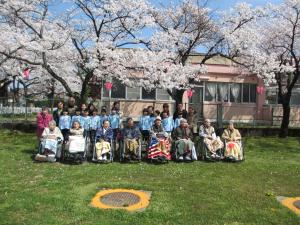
{"x": 127, "y": 199}
{"x": 120, "y": 199}
{"x": 291, "y": 203}
{"x": 297, "y": 204}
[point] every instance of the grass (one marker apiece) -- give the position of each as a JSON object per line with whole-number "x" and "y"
{"x": 194, "y": 193}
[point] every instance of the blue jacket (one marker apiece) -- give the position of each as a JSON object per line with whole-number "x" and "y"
{"x": 64, "y": 122}
{"x": 102, "y": 118}
{"x": 131, "y": 133}
{"x": 152, "y": 119}
{"x": 145, "y": 123}
{"x": 114, "y": 121}
{"x": 94, "y": 122}
{"x": 107, "y": 136}
{"x": 76, "y": 118}
{"x": 86, "y": 121}
{"x": 168, "y": 124}
{"x": 177, "y": 122}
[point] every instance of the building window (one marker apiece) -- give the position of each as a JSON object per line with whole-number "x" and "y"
{"x": 118, "y": 89}
{"x": 210, "y": 92}
{"x": 133, "y": 92}
{"x": 235, "y": 92}
{"x": 249, "y": 93}
{"x": 162, "y": 94}
{"x": 148, "y": 94}
{"x": 197, "y": 96}
{"x": 222, "y": 92}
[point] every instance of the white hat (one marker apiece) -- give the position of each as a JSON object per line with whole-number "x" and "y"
{"x": 158, "y": 118}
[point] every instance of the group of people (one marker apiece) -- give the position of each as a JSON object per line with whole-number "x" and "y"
{"x": 165, "y": 136}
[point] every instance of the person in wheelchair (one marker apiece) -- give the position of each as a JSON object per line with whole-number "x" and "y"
{"x": 233, "y": 145}
{"x": 211, "y": 142}
{"x": 51, "y": 140}
{"x": 159, "y": 148}
{"x": 104, "y": 137}
{"x": 184, "y": 146}
{"x": 131, "y": 136}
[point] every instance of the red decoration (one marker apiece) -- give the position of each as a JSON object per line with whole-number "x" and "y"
{"x": 189, "y": 93}
{"x": 260, "y": 90}
{"x": 108, "y": 86}
{"x": 26, "y": 73}
{"x": 230, "y": 145}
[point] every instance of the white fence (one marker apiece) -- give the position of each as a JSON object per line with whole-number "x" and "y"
{"x": 19, "y": 110}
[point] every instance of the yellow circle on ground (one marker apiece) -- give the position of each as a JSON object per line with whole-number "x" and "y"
{"x": 143, "y": 202}
{"x": 289, "y": 202}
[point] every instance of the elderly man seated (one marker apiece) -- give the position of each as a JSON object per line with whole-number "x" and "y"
{"x": 159, "y": 148}
{"x": 233, "y": 142}
{"x": 131, "y": 135}
{"x": 184, "y": 146}
{"x": 210, "y": 139}
{"x": 51, "y": 139}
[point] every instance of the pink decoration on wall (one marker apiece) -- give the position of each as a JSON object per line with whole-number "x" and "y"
{"x": 26, "y": 73}
{"x": 260, "y": 89}
{"x": 108, "y": 86}
{"x": 189, "y": 93}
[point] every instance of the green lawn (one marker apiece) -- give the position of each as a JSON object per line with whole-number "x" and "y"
{"x": 194, "y": 193}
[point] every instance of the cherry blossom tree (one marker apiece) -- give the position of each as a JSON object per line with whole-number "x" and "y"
{"x": 269, "y": 46}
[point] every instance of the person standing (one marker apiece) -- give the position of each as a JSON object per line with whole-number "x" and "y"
{"x": 58, "y": 112}
{"x": 71, "y": 106}
{"x": 180, "y": 110}
{"x": 43, "y": 118}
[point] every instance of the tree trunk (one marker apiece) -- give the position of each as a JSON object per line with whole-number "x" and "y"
{"x": 284, "y": 129}
{"x": 178, "y": 95}
{"x": 85, "y": 87}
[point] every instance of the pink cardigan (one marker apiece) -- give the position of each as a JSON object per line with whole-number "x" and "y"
{"x": 42, "y": 122}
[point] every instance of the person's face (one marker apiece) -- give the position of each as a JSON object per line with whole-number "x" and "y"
{"x": 94, "y": 113}
{"x": 166, "y": 108}
{"x": 45, "y": 111}
{"x": 65, "y": 113}
{"x": 191, "y": 110}
{"x": 158, "y": 122}
{"x": 51, "y": 127}
{"x": 117, "y": 106}
{"x": 106, "y": 124}
{"x": 207, "y": 123}
{"x": 103, "y": 113}
{"x": 145, "y": 113}
{"x": 113, "y": 112}
{"x": 76, "y": 125}
{"x": 231, "y": 126}
{"x": 85, "y": 113}
{"x": 130, "y": 123}
{"x": 71, "y": 102}
{"x": 179, "y": 107}
{"x": 150, "y": 110}
{"x": 83, "y": 106}
{"x": 60, "y": 105}
{"x": 77, "y": 113}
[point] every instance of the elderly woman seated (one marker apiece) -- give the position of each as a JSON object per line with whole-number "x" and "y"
{"x": 131, "y": 135}
{"x": 50, "y": 147}
{"x": 185, "y": 149}
{"x": 232, "y": 139}
{"x": 211, "y": 141}
{"x": 159, "y": 148}
{"x": 104, "y": 136}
